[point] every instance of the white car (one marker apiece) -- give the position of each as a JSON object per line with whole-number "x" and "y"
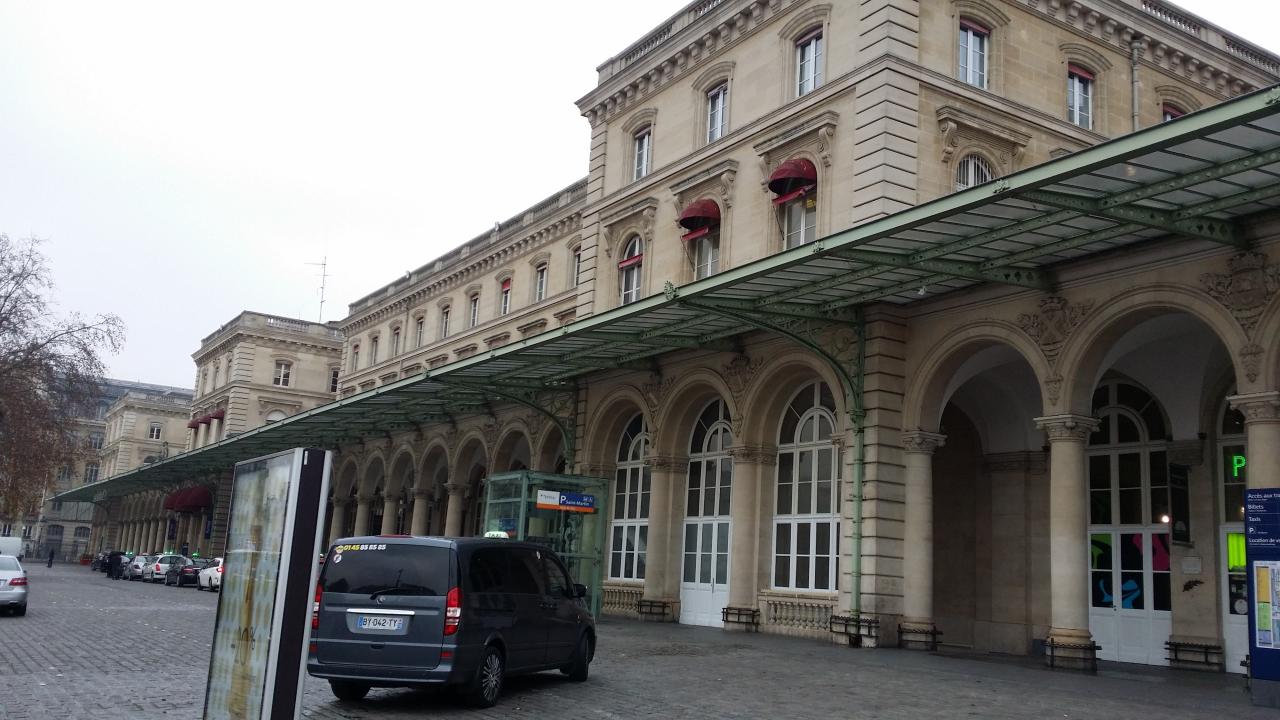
{"x": 210, "y": 578}
{"x": 134, "y": 569}
{"x": 155, "y": 570}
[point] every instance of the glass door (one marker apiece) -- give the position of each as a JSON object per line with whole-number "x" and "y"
{"x": 1130, "y": 594}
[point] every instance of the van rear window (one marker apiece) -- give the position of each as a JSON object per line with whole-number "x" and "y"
{"x": 390, "y": 569}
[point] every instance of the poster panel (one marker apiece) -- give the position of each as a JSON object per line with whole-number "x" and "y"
{"x": 238, "y": 669}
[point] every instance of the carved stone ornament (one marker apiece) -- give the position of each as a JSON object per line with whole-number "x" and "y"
{"x": 1251, "y": 359}
{"x": 655, "y": 392}
{"x": 666, "y": 462}
{"x": 1258, "y": 407}
{"x": 1067, "y": 427}
{"x": 922, "y": 442}
{"x": 456, "y": 488}
{"x": 755, "y": 454}
{"x": 1246, "y": 288}
{"x": 739, "y": 371}
{"x": 1053, "y": 324}
{"x": 1053, "y": 386}
{"x": 715, "y": 182}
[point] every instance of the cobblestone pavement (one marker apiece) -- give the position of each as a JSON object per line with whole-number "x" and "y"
{"x": 96, "y": 648}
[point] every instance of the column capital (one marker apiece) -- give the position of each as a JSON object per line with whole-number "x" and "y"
{"x": 455, "y": 488}
{"x": 364, "y": 498}
{"x": 919, "y": 441}
{"x": 755, "y": 454}
{"x": 421, "y": 494}
{"x": 1067, "y": 427}
{"x": 339, "y": 502}
{"x": 667, "y": 462}
{"x": 1260, "y": 407}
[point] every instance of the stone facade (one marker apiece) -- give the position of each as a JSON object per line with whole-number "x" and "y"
{"x": 1019, "y": 447}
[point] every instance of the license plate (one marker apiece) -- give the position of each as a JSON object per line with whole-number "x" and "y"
{"x": 379, "y": 622}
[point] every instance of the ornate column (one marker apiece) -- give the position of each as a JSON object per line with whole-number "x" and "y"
{"x": 390, "y": 506}
{"x": 917, "y": 553}
{"x": 362, "y": 513}
{"x": 421, "y": 498}
{"x": 453, "y": 515}
{"x": 750, "y": 465}
{"x": 339, "y": 520}
{"x": 1262, "y": 435}
{"x": 1068, "y": 528}
{"x": 659, "y": 556}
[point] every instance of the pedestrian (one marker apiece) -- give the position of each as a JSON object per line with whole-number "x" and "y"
{"x": 113, "y": 565}
{"x": 51, "y": 554}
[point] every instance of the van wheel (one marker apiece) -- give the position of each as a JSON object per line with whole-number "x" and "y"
{"x": 485, "y": 687}
{"x": 348, "y": 691}
{"x": 579, "y": 666}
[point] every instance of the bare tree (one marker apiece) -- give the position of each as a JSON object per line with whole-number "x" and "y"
{"x": 49, "y": 372}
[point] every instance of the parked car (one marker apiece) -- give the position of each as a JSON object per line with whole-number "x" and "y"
{"x": 462, "y": 612}
{"x": 133, "y": 571}
{"x": 99, "y": 563}
{"x": 210, "y": 577}
{"x": 156, "y": 569}
{"x": 183, "y": 571}
{"x": 13, "y": 585}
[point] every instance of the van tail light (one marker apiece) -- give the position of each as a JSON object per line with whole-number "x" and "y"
{"x": 452, "y": 611}
{"x": 157, "y": 567}
{"x": 17, "y": 581}
{"x": 315, "y": 609}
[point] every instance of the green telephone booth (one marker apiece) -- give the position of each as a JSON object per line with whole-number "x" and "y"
{"x": 567, "y": 513}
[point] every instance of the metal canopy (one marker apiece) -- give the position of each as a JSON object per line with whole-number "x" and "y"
{"x": 1198, "y": 177}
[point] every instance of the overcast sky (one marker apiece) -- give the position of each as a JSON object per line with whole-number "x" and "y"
{"x": 185, "y": 162}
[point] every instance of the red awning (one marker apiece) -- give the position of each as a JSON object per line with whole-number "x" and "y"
{"x": 700, "y": 214}
{"x": 218, "y": 414}
{"x": 793, "y": 175}
{"x": 204, "y": 419}
{"x": 193, "y": 424}
{"x": 799, "y": 193}
{"x": 191, "y": 499}
{"x": 1074, "y": 69}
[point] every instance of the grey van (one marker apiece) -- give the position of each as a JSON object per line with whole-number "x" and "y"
{"x": 400, "y": 611}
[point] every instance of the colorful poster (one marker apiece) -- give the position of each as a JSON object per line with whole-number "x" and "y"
{"x": 569, "y": 501}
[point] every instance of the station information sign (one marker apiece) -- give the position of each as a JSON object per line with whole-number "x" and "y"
{"x": 1262, "y": 554}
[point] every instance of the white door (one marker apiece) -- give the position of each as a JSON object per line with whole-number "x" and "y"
{"x": 704, "y": 586}
{"x": 1235, "y": 599}
{"x": 1130, "y": 594}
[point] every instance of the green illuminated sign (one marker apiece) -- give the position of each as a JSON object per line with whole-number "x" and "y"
{"x": 1237, "y": 464}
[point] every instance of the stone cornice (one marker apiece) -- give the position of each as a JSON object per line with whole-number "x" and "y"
{"x": 332, "y": 347}
{"x": 476, "y": 269}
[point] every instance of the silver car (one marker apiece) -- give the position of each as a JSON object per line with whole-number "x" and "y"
{"x": 155, "y": 569}
{"x": 133, "y": 569}
{"x": 13, "y": 585}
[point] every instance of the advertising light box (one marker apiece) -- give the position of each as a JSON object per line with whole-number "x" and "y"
{"x": 270, "y": 567}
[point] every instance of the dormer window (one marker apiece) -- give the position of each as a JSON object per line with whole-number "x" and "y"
{"x": 809, "y": 62}
{"x": 973, "y": 53}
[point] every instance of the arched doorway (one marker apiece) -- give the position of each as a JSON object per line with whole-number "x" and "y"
{"x": 704, "y": 580}
{"x": 806, "y": 521}
{"x": 1131, "y": 597}
{"x": 633, "y": 485}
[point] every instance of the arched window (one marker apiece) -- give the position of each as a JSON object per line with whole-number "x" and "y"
{"x": 806, "y": 526}
{"x": 629, "y": 534}
{"x": 355, "y": 357}
{"x": 809, "y": 62}
{"x": 717, "y": 112}
{"x": 972, "y": 170}
{"x": 283, "y": 370}
{"x": 82, "y": 533}
{"x": 1129, "y": 506}
{"x": 473, "y": 310}
{"x": 540, "y": 282}
{"x": 275, "y": 416}
{"x": 629, "y": 270}
{"x": 1169, "y": 111}
{"x": 706, "y": 527}
{"x": 795, "y": 183}
{"x": 1080, "y": 96}
{"x": 642, "y": 149}
{"x": 702, "y": 243}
